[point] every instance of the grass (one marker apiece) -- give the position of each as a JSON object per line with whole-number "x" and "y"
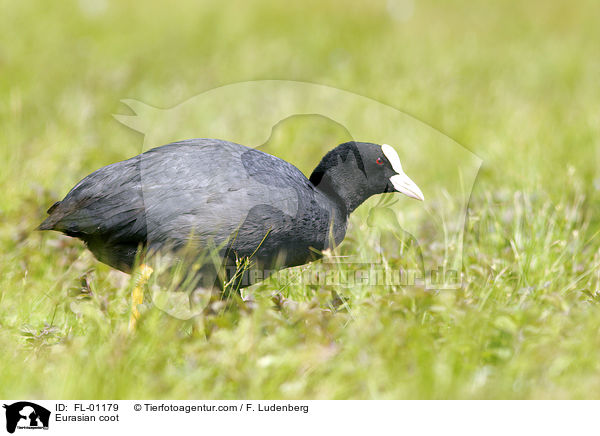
{"x": 515, "y": 83}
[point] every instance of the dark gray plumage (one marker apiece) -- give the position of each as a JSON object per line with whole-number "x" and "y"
{"x": 204, "y": 193}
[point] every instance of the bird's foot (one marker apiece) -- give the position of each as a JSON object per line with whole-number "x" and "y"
{"x": 137, "y": 295}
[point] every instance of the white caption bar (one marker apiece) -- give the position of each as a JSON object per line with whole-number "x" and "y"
{"x": 265, "y": 417}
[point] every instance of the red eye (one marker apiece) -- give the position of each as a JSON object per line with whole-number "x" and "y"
{"x": 379, "y": 161}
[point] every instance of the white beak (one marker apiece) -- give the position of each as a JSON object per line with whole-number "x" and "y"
{"x": 403, "y": 184}
{"x": 401, "y": 181}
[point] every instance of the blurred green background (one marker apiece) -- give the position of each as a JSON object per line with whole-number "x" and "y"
{"x": 515, "y": 82}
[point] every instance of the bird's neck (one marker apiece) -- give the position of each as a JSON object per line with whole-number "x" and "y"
{"x": 337, "y": 186}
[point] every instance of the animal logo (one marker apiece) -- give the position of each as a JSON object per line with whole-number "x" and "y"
{"x": 248, "y": 112}
{"x": 26, "y": 415}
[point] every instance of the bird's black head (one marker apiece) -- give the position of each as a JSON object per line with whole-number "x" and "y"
{"x": 354, "y": 171}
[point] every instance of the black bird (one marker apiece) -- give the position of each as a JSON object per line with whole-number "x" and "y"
{"x": 214, "y": 194}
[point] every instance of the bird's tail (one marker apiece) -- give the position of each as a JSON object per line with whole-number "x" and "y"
{"x": 50, "y": 221}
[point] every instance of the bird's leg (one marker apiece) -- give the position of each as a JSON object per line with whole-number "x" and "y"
{"x": 137, "y": 296}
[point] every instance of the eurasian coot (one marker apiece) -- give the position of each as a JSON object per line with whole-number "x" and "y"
{"x": 209, "y": 193}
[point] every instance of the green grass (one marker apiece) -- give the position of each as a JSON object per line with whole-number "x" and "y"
{"x": 515, "y": 83}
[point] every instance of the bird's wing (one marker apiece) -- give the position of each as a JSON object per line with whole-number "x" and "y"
{"x": 223, "y": 193}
